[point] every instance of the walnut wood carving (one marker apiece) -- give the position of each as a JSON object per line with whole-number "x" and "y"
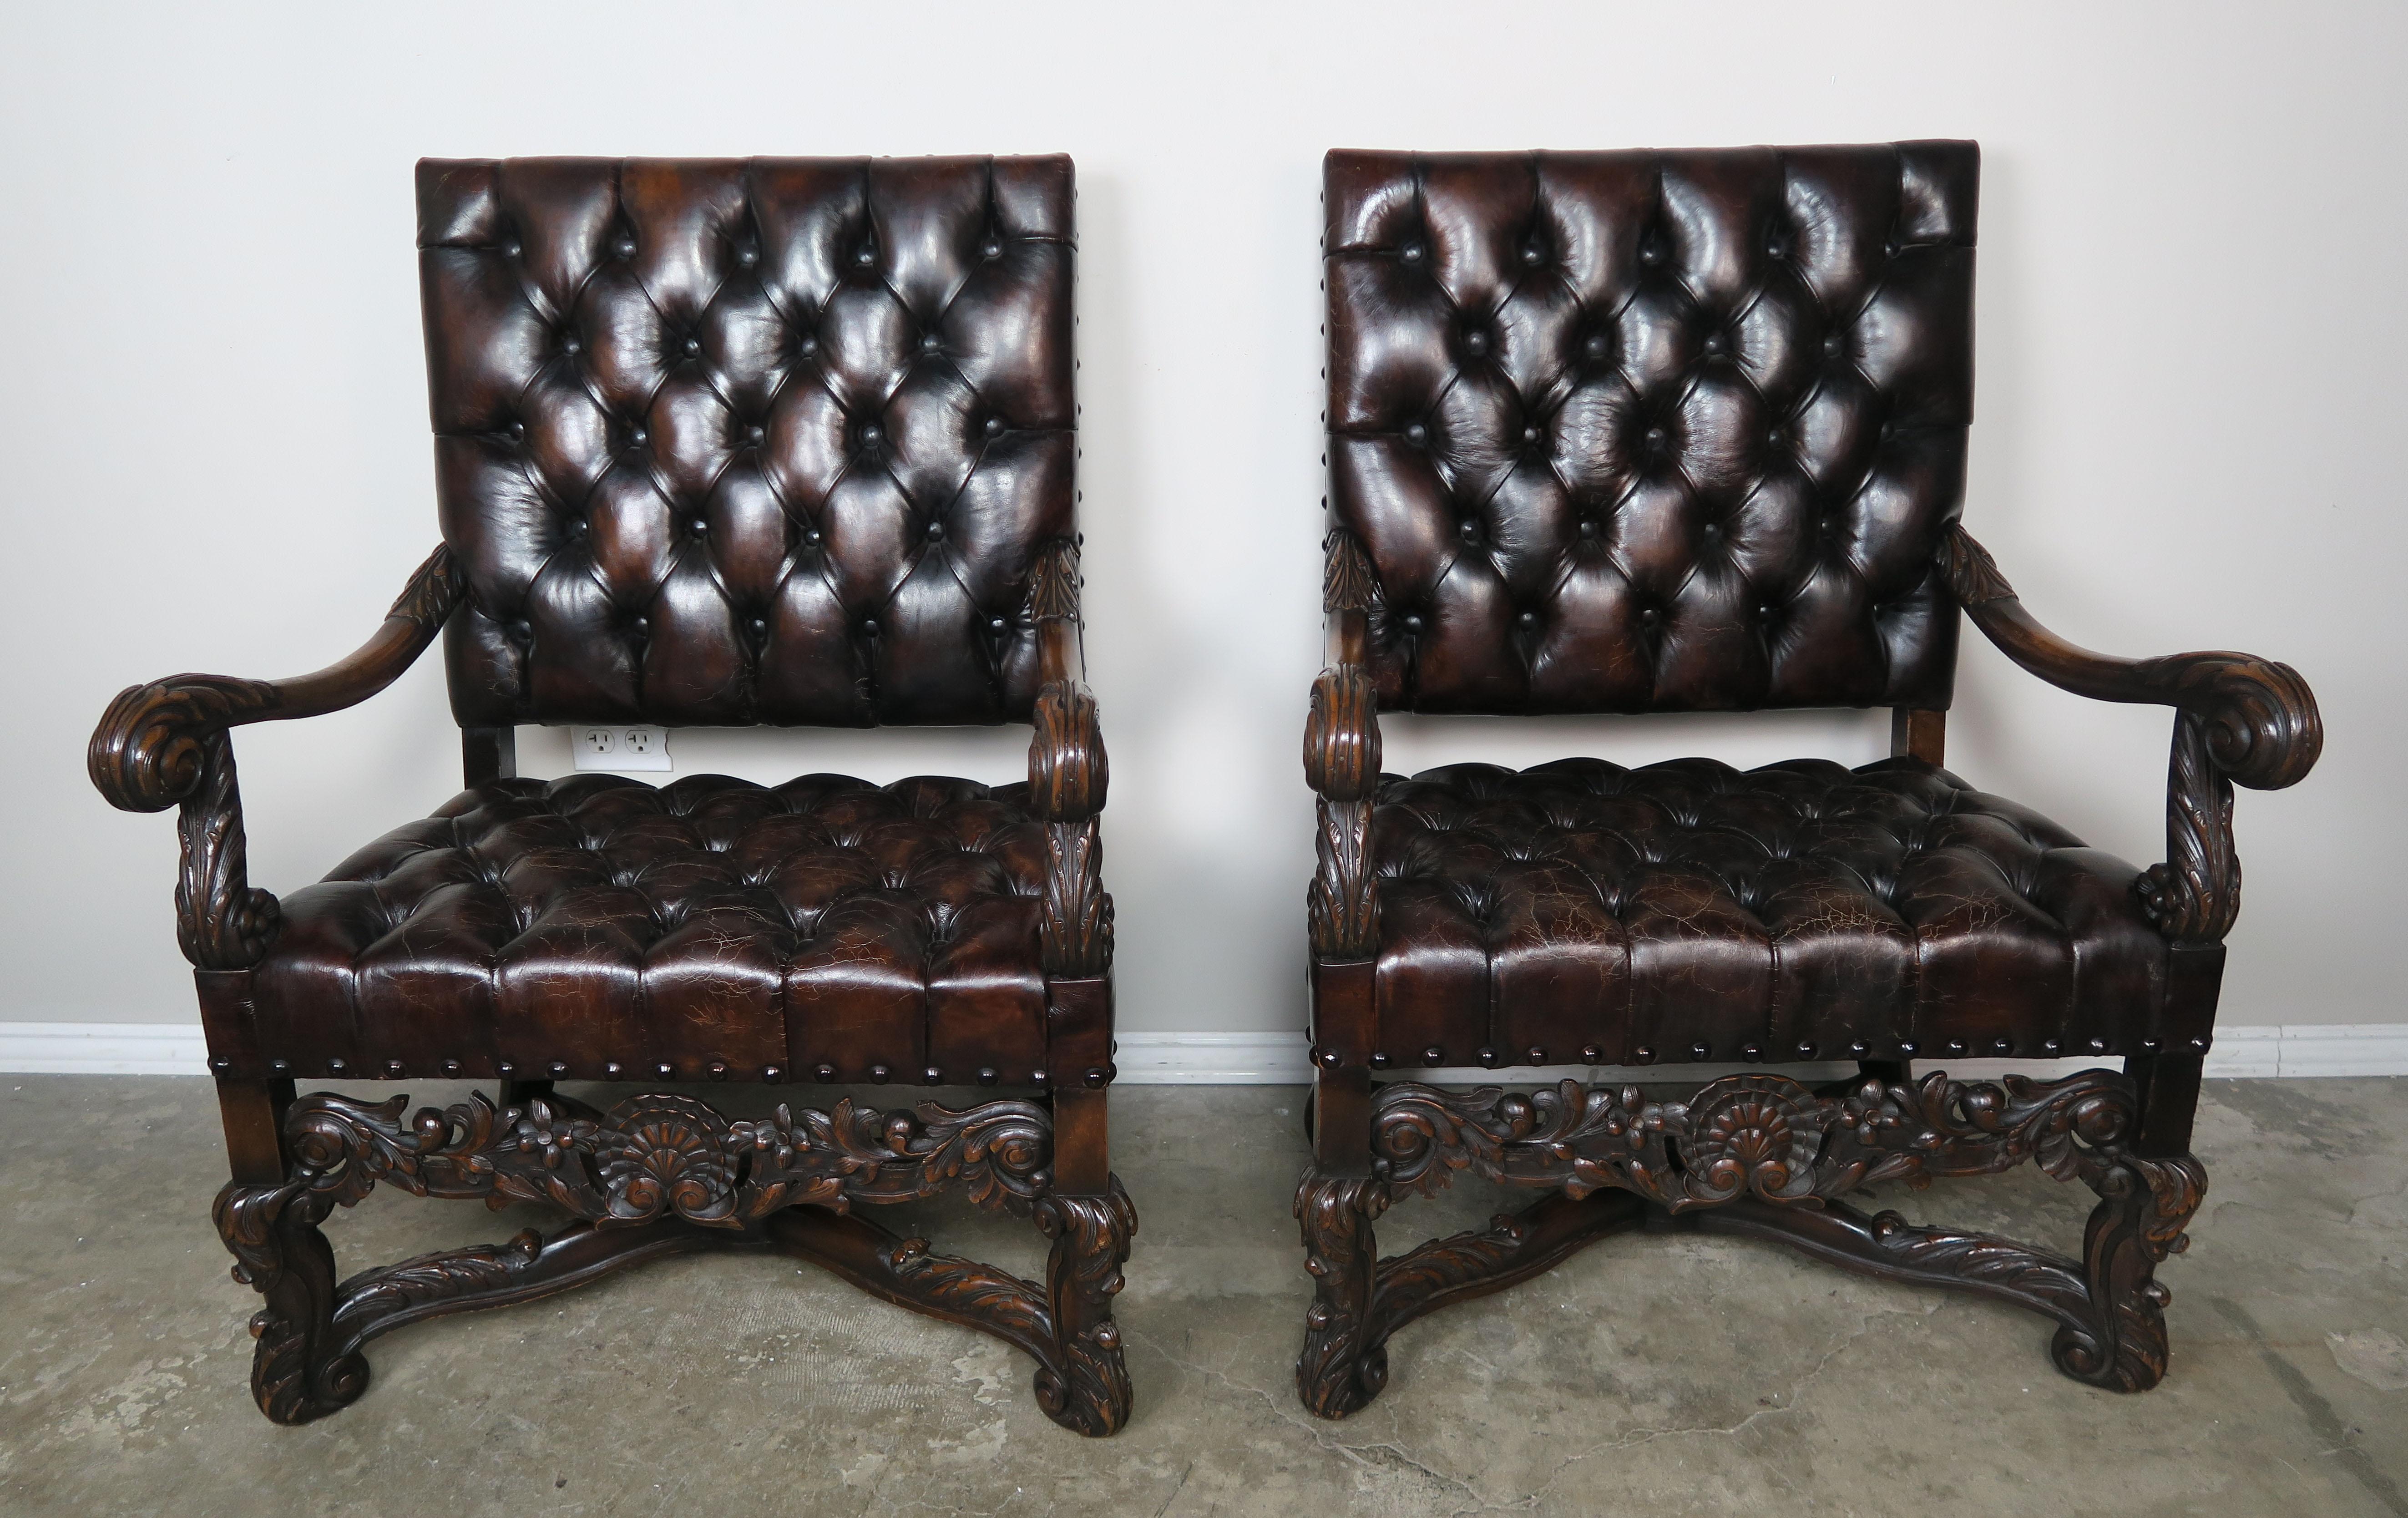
{"x": 1777, "y": 1156}
{"x": 665, "y": 1174}
{"x": 167, "y": 743}
{"x": 2239, "y": 720}
{"x": 1348, "y": 583}
{"x": 1341, "y": 763}
{"x": 1068, "y": 775}
{"x": 221, "y": 923}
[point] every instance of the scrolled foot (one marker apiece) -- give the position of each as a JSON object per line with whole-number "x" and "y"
{"x": 1085, "y": 1387}
{"x": 296, "y": 1374}
{"x": 2144, "y": 1206}
{"x": 1343, "y": 1365}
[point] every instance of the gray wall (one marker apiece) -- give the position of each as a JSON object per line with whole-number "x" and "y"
{"x": 2191, "y": 327}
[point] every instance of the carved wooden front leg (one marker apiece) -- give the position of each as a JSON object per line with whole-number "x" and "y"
{"x": 1086, "y": 1388}
{"x": 1343, "y": 1365}
{"x": 299, "y": 1371}
{"x": 2144, "y": 1206}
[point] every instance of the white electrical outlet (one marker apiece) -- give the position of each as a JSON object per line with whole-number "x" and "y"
{"x": 621, "y": 750}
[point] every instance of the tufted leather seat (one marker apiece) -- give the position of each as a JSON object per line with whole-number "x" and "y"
{"x": 1582, "y": 912}
{"x": 595, "y": 927}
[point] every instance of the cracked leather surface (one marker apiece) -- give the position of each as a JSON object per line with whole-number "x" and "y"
{"x": 1794, "y": 909}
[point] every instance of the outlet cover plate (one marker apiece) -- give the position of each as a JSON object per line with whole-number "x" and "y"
{"x": 621, "y": 751}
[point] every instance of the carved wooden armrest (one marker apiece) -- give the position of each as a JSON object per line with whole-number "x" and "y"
{"x": 2238, "y": 719}
{"x": 1068, "y": 774}
{"x": 1341, "y": 763}
{"x": 167, "y": 743}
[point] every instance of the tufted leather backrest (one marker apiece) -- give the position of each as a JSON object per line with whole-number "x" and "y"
{"x": 759, "y": 440}
{"x": 1653, "y": 431}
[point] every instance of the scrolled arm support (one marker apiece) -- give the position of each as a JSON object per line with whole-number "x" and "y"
{"x": 2239, "y": 720}
{"x": 1342, "y": 763}
{"x": 168, "y": 744}
{"x": 1068, "y": 775}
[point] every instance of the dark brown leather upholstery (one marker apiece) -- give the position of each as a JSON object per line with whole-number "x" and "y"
{"x": 1633, "y": 432}
{"x": 1581, "y": 912}
{"x": 597, "y": 928}
{"x": 1653, "y": 431}
{"x": 760, "y": 440}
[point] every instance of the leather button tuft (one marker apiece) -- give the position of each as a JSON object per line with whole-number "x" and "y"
{"x": 872, "y": 435}
{"x": 990, "y": 250}
{"x": 929, "y": 343}
{"x": 993, "y": 426}
{"x": 572, "y": 343}
{"x": 866, "y": 256}
{"x": 1651, "y": 252}
{"x": 1596, "y": 346}
{"x": 811, "y": 535}
{"x": 759, "y": 625}
{"x": 1588, "y": 528}
{"x": 869, "y": 626}
{"x": 518, "y": 429}
{"x": 624, "y": 248}
{"x": 936, "y": 530}
{"x": 1717, "y": 345}
{"x": 1655, "y": 439}
{"x": 807, "y": 347}
{"x": 1411, "y": 252}
{"x": 997, "y": 624}
{"x": 1470, "y": 531}
{"x": 1650, "y": 617}
{"x": 1417, "y": 435}
{"x": 513, "y": 250}
{"x": 692, "y": 346}
{"x": 1529, "y": 434}
{"x": 1530, "y": 618}
{"x": 747, "y": 257}
{"x": 1475, "y": 343}
{"x": 1833, "y": 346}
{"x": 755, "y": 434}
{"x": 699, "y": 526}
{"x": 642, "y": 625}
{"x": 1412, "y": 625}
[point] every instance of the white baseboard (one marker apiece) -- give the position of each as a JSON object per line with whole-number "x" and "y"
{"x": 1263, "y": 1059}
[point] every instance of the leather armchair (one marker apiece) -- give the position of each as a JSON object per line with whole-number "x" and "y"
{"x": 1633, "y": 432}
{"x": 778, "y": 441}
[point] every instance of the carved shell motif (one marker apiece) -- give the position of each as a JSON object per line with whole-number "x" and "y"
{"x": 667, "y": 1152}
{"x": 1759, "y": 1133}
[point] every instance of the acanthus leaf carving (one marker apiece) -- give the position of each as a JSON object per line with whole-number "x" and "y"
{"x": 657, "y": 1157}
{"x": 1971, "y": 574}
{"x": 1348, "y": 581}
{"x": 1053, "y": 580}
{"x": 221, "y": 921}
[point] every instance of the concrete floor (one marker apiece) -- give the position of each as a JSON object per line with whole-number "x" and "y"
{"x": 1649, "y": 1375}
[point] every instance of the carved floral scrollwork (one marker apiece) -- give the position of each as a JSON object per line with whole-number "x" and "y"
{"x": 1757, "y": 1134}
{"x": 656, "y": 1156}
{"x": 1755, "y": 1154}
